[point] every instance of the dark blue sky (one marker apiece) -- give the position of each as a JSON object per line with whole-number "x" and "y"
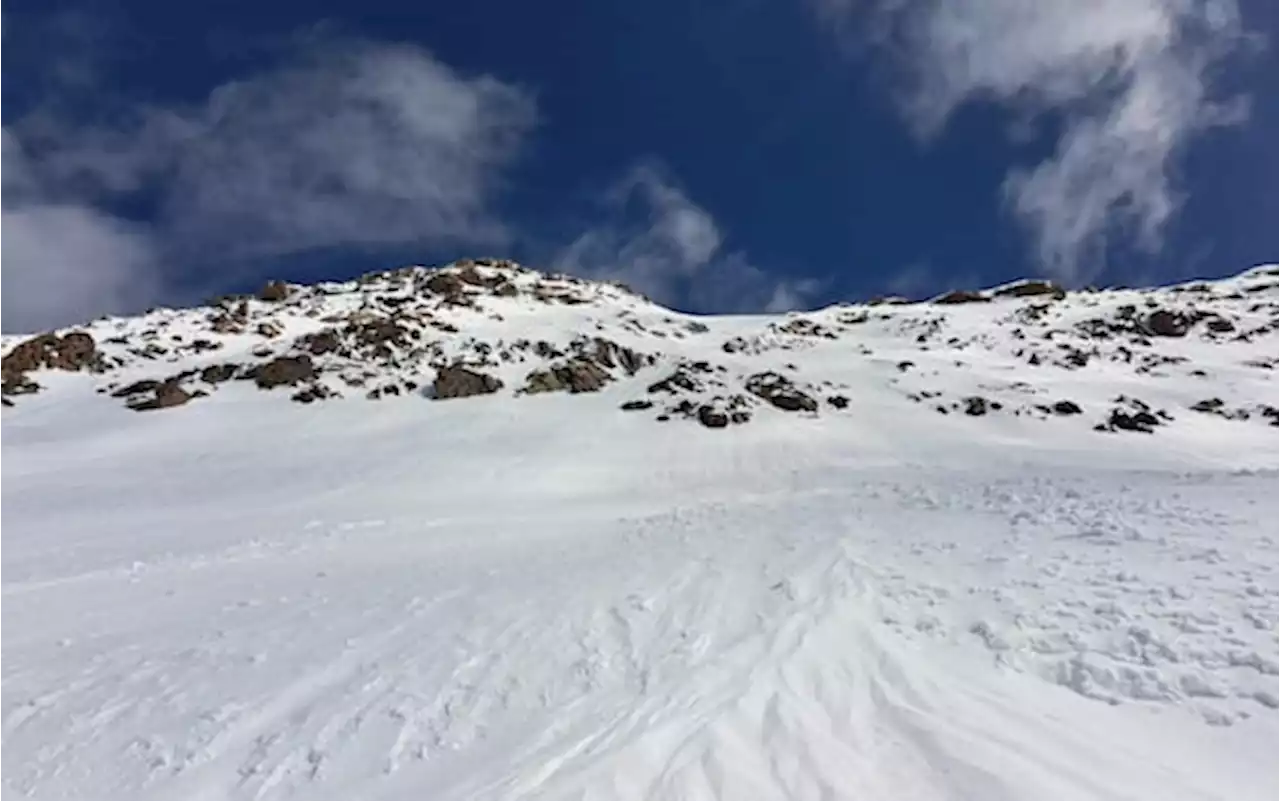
{"x": 785, "y": 124}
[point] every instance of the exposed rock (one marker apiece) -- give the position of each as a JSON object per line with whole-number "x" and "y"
{"x": 780, "y": 392}
{"x": 1210, "y": 405}
{"x": 1066, "y": 407}
{"x": 712, "y": 417}
{"x": 274, "y": 291}
{"x": 136, "y": 388}
{"x": 217, "y": 373}
{"x": 18, "y": 384}
{"x": 1137, "y": 417}
{"x": 320, "y": 342}
{"x": 636, "y": 405}
{"x": 166, "y": 395}
{"x": 312, "y": 393}
{"x": 681, "y": 380}
{"x": 283, "y": 371}
{"x": 269, "y": 329}
{"x": 456, "y": 381}
{"x": 838, "y": 401}
{"x": 447, "y": 284}
{"x": 975, "y": 406}
{"x": 1024, "y": 289}
{"x": 961, "y": 296}
{"x": 1164, "y": 323}
{"x": 610, "y": 354}
{"x": 1219, "y": 325}
{"x": 1142, "y": 421}
{"x": 73, "y": 351}
{"x": 577, "y": 376}
{"x": 378, "y": 332}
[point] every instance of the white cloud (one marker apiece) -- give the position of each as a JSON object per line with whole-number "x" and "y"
{"x": 347, "y": 143}
{"x": 64, "y": 262}
{"x": 655, "y": 239}
{"x": 1128, "y": 79}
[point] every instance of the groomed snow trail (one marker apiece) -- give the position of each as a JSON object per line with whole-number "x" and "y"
{"x": 343, "y": 605}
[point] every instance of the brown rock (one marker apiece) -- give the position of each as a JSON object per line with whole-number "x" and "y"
{"x": 274, "y": 291}
{"x": 1025, "y": 289}
{"x": 577, "y": 376}
{"x": 217, "y": 373}
{"x": 283, "y": 371}
{"x": 961, "y": 296}
{"x": 456, "y": 381}
{"x": 320, "y": 342}
{"x": 73, "y": 351}
{"x": 167, "y": 395}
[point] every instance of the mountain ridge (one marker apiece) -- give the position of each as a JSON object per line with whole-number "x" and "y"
{"x": 489, "y": 326}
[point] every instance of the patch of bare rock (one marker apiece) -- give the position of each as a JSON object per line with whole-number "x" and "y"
{"x": 73, "y": 351}
{"x": 1131, "y": 414}
{"x": 457, "y": 381}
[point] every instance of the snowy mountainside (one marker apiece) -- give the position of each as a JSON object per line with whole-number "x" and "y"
{"x": 481, "y": 327}
{"x": 505, "y": 535}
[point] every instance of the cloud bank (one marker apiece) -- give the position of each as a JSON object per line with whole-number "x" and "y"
{"x": 654, "y": 238}
{"x": 1128, "y": 81}
{"x": 345, "y": 143}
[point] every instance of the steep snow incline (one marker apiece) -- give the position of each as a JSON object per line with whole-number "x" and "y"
{"x": 542, "y": 596}
{"x": 485, "y": 600}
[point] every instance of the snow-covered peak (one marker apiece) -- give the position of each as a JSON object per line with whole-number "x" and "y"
{"x": 1119, "y": 359}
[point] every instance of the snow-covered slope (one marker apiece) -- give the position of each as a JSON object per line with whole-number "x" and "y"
{"x": 577, "y": 545}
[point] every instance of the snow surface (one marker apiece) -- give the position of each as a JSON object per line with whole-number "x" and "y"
{"x": 546, "y": 598}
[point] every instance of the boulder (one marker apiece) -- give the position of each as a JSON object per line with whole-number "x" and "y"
{"x": 283, "y": 371}
{"x": 456, "y": 381}
{"x": 167, "y": 394}
{"x": 274, "y": 291}
{"x": 577, "y": 376}
{"x": 1164, "y": 323}
{"x": 780, "y": 392}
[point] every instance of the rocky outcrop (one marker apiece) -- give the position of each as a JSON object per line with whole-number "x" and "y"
{"x": 577, "y": 376}
{"x": 456, "y": 381}
{"x": 282, "y": 371}
{"x": 780, "y": 392}
{"x": 274, "y": 292}
{"x": 164, "y": 395}
{"x": 1025, "y": 289}
{"x": 957, "y": 296}
{"x": 1133, "y": 415}
{"x": 1164, "y": 323}
{"x": 74, "y": 351}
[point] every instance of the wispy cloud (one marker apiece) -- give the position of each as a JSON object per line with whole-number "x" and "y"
{"x": 653, "y": 237}
{"x": 64, "y": 262}
{"x": 1129, "y": 81}
{"x": 345, "y": 143}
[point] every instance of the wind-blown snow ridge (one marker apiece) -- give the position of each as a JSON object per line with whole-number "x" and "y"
{"x": 502, "y": 535}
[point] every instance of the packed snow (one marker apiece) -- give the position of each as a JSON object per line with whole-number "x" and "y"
{"x": 544, "y": 597}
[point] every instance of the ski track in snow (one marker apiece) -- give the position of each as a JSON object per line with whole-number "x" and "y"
{"x": 713, "y": 650}
{"x": 547, "y": 598}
